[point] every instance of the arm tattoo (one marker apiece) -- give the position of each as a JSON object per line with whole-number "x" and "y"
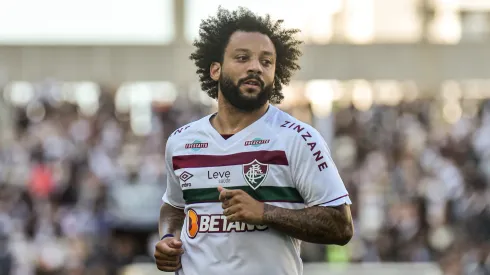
{"x": 171, "y": 220}
{"x": 317, "y": 224}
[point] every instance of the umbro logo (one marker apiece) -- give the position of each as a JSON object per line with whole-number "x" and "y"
{"x": 185, "y": 176}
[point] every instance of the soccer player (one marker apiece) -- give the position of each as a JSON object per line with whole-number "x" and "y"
{"x": 247, "y": 184}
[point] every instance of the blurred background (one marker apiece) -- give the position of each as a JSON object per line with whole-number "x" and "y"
{"x": 91, "y": 90}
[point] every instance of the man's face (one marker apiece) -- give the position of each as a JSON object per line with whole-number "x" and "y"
{"x": 247, "y": 73}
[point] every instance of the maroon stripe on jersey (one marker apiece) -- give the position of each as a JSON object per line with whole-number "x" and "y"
{"x": 200, "y": 161}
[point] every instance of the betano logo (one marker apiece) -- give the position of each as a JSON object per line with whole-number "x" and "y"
{"x": 216, "y": 223}
{"x": 196, "y": 145}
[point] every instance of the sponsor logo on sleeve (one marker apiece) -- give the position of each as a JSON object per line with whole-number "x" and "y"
{"x": 307, "y": 137}
{"x": 180, "y": 130}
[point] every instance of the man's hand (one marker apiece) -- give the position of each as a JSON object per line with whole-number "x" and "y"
{"x": 240, "y": 206}
{"x": 167, "y": 254}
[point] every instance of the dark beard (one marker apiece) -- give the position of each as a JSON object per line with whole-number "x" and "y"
{"x": 234, "y": 96}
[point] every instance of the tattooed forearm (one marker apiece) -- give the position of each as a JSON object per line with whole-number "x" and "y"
{"x": 323, "y": 225}
{"x": 171, "y": 220}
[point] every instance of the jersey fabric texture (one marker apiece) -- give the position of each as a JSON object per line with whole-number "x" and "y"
{"x": 278, "y": 160}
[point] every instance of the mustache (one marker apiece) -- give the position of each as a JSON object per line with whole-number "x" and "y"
{"x": 250, "y": 77}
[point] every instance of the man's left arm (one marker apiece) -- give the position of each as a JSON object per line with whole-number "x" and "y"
{"x": 326, "y": 219}
{"x": 317, "y": 224}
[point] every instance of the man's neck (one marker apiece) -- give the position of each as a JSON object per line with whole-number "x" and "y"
{"x": 230, "y": 120}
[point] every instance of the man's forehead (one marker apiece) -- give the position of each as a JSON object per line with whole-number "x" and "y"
{"x": 244, "y": 50}
{"x": 251, "y": 42}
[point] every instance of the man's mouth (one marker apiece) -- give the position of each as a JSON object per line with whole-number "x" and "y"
{"x": 252, "y": 82}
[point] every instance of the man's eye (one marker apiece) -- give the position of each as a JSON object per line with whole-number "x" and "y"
{"x": 242, "y": 58}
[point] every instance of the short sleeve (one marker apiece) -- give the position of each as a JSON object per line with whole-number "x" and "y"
{"x": 314, "y": 173}
{"x": 173, "y": 194}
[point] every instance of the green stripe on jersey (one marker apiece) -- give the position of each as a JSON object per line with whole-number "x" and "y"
{"x": 263, "y": 193}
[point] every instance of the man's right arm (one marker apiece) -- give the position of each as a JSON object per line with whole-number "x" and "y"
{"x": 171, "y": 220}
{"x": 168, "y": 251}
{"x": 172, "y": 213}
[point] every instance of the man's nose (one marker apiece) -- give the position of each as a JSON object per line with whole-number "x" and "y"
{"x": 255, "y": 67}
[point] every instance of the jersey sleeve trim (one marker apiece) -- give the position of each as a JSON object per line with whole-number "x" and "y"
{"x": 165, "y": 199}
{"x": 335, "y": 202}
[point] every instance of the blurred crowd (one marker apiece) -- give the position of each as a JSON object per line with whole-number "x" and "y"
{"x": 420, "y": 186}
{"x": 81, "y": 194}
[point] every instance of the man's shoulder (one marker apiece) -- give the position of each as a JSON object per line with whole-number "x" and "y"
{"x": 290, "y": 127}
{"x": 188, "y": 129}
{"x": 305, "y": 141}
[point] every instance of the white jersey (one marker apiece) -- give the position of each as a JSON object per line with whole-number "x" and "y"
{"x": 277, "y": 160}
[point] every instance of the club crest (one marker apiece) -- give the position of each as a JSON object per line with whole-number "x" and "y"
{"x": 255, "y": 173}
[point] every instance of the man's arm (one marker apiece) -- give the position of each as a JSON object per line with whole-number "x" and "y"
{"x": 317, "y": 224}
{"x": 171, "y": 220}
{"x": 172, "y": 213}
{"x": 326, "y": 218}
{"x": 168, "y": 251}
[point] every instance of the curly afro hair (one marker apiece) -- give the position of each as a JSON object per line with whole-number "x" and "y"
{"x": 214, "y": 35}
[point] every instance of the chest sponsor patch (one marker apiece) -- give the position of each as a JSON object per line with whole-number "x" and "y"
{"x": 196, "y": 145}
{"x": 256, "y": 142}
{"x": 216, "y": 223}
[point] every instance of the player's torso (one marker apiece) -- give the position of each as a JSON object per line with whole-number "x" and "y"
{"x": 256, "y": 162}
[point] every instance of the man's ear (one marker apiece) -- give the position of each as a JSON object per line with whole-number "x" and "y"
{"x": 215, "y": 71}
